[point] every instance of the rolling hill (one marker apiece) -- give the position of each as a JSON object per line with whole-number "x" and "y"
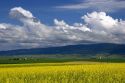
{"x": 84, "y": 49}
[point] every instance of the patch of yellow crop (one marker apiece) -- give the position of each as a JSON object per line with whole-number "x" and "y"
{"x": 69, "y": 73}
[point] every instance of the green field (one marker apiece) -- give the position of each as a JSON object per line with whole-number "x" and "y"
{"x": 54, "y": 59}
{"x": 63, "y": 72}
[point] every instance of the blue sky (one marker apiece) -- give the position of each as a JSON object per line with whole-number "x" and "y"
{"x": 46, "y": 23}
{"x": 45, "y": 10}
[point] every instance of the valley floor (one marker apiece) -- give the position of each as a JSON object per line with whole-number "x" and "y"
{"x": 67, "y": 72}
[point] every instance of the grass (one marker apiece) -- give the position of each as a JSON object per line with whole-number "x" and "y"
{"x": 36, "y": 60}
{"x": 66, "y": 72}
{"x": 26, "y": 59}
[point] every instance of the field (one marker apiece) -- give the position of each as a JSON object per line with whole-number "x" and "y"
{"x": 66, "y": 72}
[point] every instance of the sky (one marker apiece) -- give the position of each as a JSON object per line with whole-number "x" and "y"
{"x": 46, "y": 23}
{"x": 43, "y": 9}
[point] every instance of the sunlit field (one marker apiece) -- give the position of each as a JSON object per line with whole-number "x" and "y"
{"x": 70, "y": 72}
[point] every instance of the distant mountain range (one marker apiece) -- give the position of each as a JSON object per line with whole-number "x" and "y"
{"x": 84, "y": 49}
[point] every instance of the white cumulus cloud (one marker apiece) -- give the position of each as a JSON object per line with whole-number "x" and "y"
{"x": 97, "y": 28}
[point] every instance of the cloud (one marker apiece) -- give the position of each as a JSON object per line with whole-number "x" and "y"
{"x": 20, "y": 13}
{"x": 99, "y": 5}
{"x": 97, "y": 28}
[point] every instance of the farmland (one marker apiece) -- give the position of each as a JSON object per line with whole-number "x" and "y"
{"x": 66, "y": 72}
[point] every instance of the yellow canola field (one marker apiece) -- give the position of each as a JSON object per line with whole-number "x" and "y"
{"x": 63, "y": 73}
